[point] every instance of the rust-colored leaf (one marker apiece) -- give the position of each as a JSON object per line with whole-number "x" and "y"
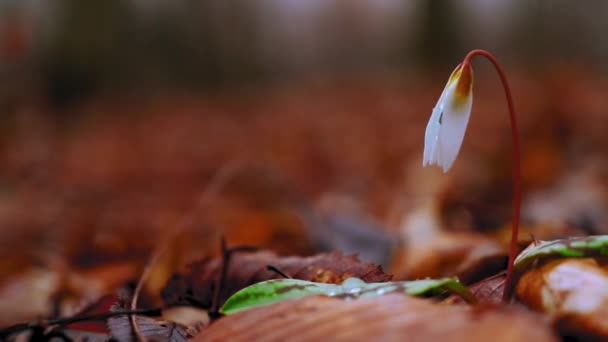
{"x": 388, "y": 318}
{"x": 573, "y": 290}
{"x": 488, "y": 290}
{"x": 164, "y": 328}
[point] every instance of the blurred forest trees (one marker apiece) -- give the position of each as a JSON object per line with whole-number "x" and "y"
{"x": 67, "y": 50}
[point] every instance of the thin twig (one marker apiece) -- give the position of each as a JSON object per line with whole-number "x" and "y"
{"x": 221, "y": 279}
{"x": 277, "y": 271}
{"x": 74, "y": 319}
{"x": 214, "y": 311}
{"x": 223, "y": 175}
{"x": 535, "y": 241}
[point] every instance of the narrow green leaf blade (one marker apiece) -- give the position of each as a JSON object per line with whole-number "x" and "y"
{"x": 587, "y": 246}
{"x": 436, "y": 286}
{"x": 273, "y": 291}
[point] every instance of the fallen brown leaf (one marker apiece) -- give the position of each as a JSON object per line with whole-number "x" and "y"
{"x": 122, "y": 329}
{"x": 61, "y": 288}
{"x": 488, "y": 290}
{"x": 447, "y": 254}
{"x": 481, "y": 262}
{"x": 573, "y": 290}
{"x": 156, "y": 329}
{"x": 387, "y": 318}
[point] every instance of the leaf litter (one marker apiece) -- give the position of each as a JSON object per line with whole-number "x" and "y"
{"x": 392, "y": 317}
{"x": 121, "y": 327}
{"x": 104, "y": 189}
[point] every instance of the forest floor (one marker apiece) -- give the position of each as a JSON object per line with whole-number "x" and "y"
{"x": 192, "y": 197}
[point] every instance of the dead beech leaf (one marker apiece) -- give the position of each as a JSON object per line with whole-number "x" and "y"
{"x": 392, "y": 317}
{"x": 488, "y": 290}
{"x": 198, "y": 284}
{"x": 155, "y": 329}
{"x": 573, "y": 290}
{"x": 429, "y": 250}
{"x": 41, "y": 288}
{"x": 448, "y": 253}
{"x": 481, "y": 262}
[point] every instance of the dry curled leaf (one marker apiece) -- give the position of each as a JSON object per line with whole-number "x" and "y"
{"x": 392, "y": 317}
{"x": 488, "y": 290}
{"x": 440, "y": 254}
{"x": 155, "y": 329}
{"x": 198, "y": 284}
{"x": 430, "y": 249}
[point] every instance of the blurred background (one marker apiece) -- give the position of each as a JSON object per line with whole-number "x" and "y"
{"x": 285, "y": 124}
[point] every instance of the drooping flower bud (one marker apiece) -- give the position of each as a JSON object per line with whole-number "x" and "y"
{"x": 449, "y": 119}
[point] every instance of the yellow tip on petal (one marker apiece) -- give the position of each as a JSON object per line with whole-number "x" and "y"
{"x": 465, "y": 81}
{"x": 463, "y": 76}
{"x": 455, "y": 74}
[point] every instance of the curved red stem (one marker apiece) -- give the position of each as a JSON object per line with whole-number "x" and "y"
{"x": 514, "y": 247}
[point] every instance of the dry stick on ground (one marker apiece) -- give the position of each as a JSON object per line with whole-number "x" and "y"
{"x": 6, "y": 332}
{"x": 214, "y": 310}
{"x": 277, "y": 271}
{"x": 223, "y": 175}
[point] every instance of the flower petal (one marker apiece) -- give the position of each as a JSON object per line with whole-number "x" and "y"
{"x": 449, "y": 119}
{"x": 451, "y": 134}
{"x": 431, "y": 138}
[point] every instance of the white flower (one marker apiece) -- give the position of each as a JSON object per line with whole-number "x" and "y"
{"x": 449, "y": 119}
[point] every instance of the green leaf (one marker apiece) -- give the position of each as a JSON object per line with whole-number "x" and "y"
{"x": 274, "y": 291}
{"x": 587, "y": 246}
